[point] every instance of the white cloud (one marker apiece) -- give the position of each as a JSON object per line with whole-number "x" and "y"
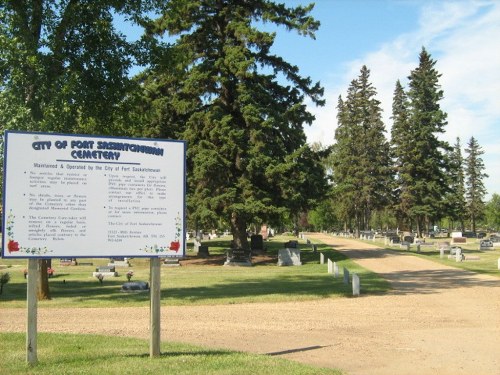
{"x": 463, "y": 37}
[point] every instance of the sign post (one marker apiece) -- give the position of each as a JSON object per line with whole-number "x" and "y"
{"x": 79, "y": 196}
{"x": 32, "y": 307}
{"x": 155, "y": 298}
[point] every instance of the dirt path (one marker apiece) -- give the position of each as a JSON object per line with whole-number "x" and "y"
{"x": 437, "y": 320}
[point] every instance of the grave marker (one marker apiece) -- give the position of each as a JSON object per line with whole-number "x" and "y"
{"x": 335, "y": 270}
{"x": 289, "y": 257}
{"x": 355, "y": 285}
{"x": 257, "y": 243}
{"x": 238, "y": 257}
{"x": 346, "y": 276}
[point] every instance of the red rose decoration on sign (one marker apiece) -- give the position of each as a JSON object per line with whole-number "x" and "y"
{"x": 13, "y": 246}
{"x": 175, "y": 245}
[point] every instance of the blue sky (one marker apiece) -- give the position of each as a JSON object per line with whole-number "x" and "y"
{"x": 387, "y": 36}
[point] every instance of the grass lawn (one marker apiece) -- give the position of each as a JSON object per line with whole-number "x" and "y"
{"x": 78, "y": 354}
{"x": 74, "y": 286}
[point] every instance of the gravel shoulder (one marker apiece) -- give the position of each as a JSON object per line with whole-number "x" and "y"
{"x": 436, "y": 320}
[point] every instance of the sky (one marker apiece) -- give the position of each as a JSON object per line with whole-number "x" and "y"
{"x": 387, "y": 36}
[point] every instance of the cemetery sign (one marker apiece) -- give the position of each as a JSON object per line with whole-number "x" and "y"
{"x": 70, "y": 196}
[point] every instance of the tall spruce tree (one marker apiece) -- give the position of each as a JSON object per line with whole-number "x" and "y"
{"x": 475, "y": 190}
{"x": 247, "y": 153}
{"x": 401, "y": 148}
{"x": 456, "y": 197}
{"x": 428, "y": 164}
{"x": 362, "y": 161}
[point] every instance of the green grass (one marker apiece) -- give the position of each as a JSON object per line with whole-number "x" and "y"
{"x": 78, "y": 354}
{"x": 487, "y": 264}
{"x": 74, "y": 286}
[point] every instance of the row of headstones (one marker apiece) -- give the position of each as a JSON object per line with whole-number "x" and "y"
{"x": 333, "y": 269}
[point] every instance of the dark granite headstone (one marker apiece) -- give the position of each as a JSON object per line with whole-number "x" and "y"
{"x": 203, "y": 251}
{"x": 238, "y": 257}
{"x": 257, "y": 243}
{"x": 135, "y": 286}
{"x": 292, "y": 245}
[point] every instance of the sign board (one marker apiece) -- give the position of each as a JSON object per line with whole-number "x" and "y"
{"x": 70, "y": 196}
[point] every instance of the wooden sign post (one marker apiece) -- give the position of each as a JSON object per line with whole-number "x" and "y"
{"x": 155, "y": 309}
{"x": 32, "y": 305}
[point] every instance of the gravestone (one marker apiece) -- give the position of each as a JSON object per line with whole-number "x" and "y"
{"x": 486, "y": 245}
{"x": 135, "y": 286}
{"x": 315, "y": 249}
{"x": 321, "y": 258}
{"x": 458, "y": 255}
{"x": 355, "y": 285}
{"x": 257, "y": 243}
{"x": 105, "y": 271}
{"x": 203, "y": 251}
{"x": 335, "y": 270}
{"x": 292, "y": 244}
{"x": 394, "y": 240}
{"x": 499, "y": 263}
{"x": 66, "y": 262}
{"x": 441, "y": 252}
{"x": 289, "y": 257}
{"x": 119, "y": 262}
{"x": 330, "y": 266}
{"x": 346, "y": 276}
{"x": 409, "y": 239}
{"x": 238, "y": 257}
{"x": 459, "y": 240}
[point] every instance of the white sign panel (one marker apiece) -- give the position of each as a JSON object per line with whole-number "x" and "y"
{"x": 69, "y": 196}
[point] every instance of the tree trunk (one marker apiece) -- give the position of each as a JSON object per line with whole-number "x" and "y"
{"x": 419, "y": 233}
{"x": 239, "y": 231}
{"x": 43, "y": 280}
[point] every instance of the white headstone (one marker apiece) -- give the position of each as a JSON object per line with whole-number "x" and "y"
{"x": 330, "y": 266}
{"x": 346, "y": 276}
{"x": 355, "y": 285}
{"x": 321, "y": 258}
{"x": 458, "y": 255}
{"x": 336, "y": 269}
{"x": 499, "y": 263}
{"x": 289, "y": 257}
{"x": 441, "y": 252}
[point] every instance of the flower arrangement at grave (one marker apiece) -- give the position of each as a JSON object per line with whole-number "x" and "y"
{"x": 13, "y": 245}
{"x": 50, "y": 272}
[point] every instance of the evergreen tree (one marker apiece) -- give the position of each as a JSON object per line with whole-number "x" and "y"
{"x": 475, "y": 190}
{"x": 456, "y": 198}
{"x": 362, "y": 161}
{"x": 492, "y": 213}
{"x": 428, "y": 164}
{"x": 247, "y": 158}
{"x": 401, "y": 149}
